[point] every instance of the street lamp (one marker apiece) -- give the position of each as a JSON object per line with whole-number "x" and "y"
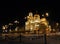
{"x": 3, "y": 27}
{"x": 43, "y": 27}
{"x": 47, "y": 14}
{"x": 57, "y": 26}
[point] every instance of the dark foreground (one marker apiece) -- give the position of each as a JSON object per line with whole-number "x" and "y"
{"x": 54, "y": 39}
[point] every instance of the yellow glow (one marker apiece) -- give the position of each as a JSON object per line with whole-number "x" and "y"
{"x": 27, "y": 16}
{"x": 45, "y": 23}
{"x": 10, "y": 24}
{"x": 53, "y": 29}
{"x": 34, "y": 22}
{"x": 49, "y": 26}
{"x": 36, "y": 16}
{"x": 43, "y": 19}
{"x": 6, "y": 26}
{"x": 47, "y": 14}
{"x": 10, "y": 30}
{"x": 47, "y": 29}
{"x": 31, "y": 28}
{"x": 16, "y": 29}
{"x": 26, "y": 23}
{"x": 3, "y": 27}
{"x": 30, "y": 14}
{"x": 57, "y": 24}
{"x": 36, "y": 25}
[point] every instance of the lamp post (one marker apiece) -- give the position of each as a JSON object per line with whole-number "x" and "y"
{"x": 57, "y": 26}
{"x": 45, "y": 39}
{"x": 44, "y": 27}
{"x": 45, "y": 36}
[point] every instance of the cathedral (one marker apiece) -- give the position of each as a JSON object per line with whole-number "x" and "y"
{"x": 35, "y": 23}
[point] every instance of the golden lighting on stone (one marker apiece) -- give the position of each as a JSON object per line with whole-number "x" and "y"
{"x": 43, "y": 19}
{"x": 33, "y": 22}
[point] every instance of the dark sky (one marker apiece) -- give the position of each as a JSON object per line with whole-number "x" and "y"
{"x": 22, "y": 8}
{"x": 42, "y": 6}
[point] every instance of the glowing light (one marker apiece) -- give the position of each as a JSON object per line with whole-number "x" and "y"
{"x": 27, "y": 23}
{"x": 28, "y": 17}
{"x": 47, "y": 14}
{"x": 10, "y": 24}
{"x": 10, "y": 30}
{"x": 16, "y": 29}
{"x": 36, "y": 25}
{"x": 16, "y": 21}
{"x": 37, "y": 21}
{"x": 32, "y": 21}
{"x": 3, "y": 27}
{"x": 49, "y": 26}
{"x": 43, "y": 15}
{"x": 43, "y": 19}
{"x": 6, "y": 26}
{"x": 47, "y": 29}
{"x": 45, "y": 23}
{"x": 57, "y": 24}
{"x": 31, "y": 28}
{"x": 53, "y": 29}
{"x": 30, "y": 14}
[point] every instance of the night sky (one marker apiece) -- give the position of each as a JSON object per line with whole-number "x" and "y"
{"x": 22, "y": 8}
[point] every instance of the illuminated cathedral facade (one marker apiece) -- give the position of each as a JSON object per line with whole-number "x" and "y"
{"x": 34, "y": 22}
